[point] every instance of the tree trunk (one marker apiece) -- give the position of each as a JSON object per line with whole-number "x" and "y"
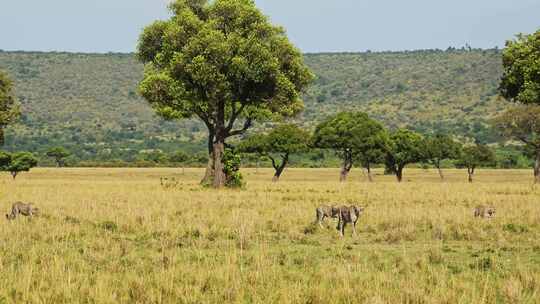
{"x": 219, "y": 174}
{"x": 399, "y": 174}
{"x": 368, "y": 169}
{"x": 470, "y": 171}
{"x": 1, "y": 136}
{"x": 346, "y": 168}
{"x": 279, "y": 169}
{"x": 440, "y": 171}
{"x": 537, "y": 168}
{"x": 207, "y": 179}
{"x": 14, "y": 174}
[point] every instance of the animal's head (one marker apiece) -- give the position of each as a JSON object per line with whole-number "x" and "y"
{"x": 9, "y": 216}
{"x": 490, "y": 211}
{"x": 359, "y": 209}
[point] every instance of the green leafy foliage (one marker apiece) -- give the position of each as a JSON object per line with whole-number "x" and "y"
{"x": 9, "y": 108}
{"x": 231, "y": 168}
{"x": 58, "y": 154}
{"x": 19, "y": 162}
{"x": 440, "y": 147}
{"x": 179, "y": 157}
{"x": 521, "y": 61}
{"x": 284, "y": 140}
{"x": 405, "y": 147}
{"x": 5, "y": 160}
{"x": 521, "y": 123}
{"x": 356, "y": 138}
{"x": 474, "y": 156}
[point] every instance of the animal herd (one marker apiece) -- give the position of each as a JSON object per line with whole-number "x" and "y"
{"x": 351, "y": 214}
{"x": 344, "y": 214}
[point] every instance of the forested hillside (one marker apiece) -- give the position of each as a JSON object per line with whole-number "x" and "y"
{"x": 88, "y": 102}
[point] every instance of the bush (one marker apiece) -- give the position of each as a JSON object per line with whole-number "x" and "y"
{"x": 231, "y": 168}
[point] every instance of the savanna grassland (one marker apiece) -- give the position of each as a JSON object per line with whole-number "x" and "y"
{"x": 117, "y": 236}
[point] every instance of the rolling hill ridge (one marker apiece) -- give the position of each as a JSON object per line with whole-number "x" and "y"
{"x": 88, "y": 102}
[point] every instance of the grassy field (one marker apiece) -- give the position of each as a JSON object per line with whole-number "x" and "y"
{"x": 117, "y": 236}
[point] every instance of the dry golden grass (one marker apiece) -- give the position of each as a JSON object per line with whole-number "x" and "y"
{"x": 117, "y": 236}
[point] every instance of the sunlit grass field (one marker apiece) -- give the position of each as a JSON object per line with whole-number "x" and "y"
{"x": 118, "y": 236}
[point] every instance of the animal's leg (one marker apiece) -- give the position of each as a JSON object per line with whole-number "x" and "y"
{"x": 340, "y": 227}
{"x": 318, "y": 219}
{"x": 354, "y": 228}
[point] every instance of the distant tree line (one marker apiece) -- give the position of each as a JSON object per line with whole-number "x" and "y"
{"x": 359, "y": 140}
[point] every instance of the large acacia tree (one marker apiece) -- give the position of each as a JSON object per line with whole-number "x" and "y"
{"x": 224, "y": 63}
{"x": 9, "y": 108}
{"x": 521, "y": 84}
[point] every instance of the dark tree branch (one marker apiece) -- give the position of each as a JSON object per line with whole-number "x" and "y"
{"x": 234, "y": 115}
{"x": 247, "y": 124}
{"x": 273, "y": 162}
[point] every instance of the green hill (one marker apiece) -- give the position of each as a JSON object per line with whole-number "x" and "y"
{"x": 88, "y": 102}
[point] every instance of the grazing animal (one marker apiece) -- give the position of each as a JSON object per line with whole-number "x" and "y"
{"x": 484, "y": 211}
{"x": 168, "y": 182}
{"x": 323, "y": 212}
{"x": 348, "y": 214}
{"x": 20, "y": 208}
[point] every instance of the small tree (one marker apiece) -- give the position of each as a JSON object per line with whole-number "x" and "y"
{"x": 9, "y": 108}
{"x": 370, "y": 143}
{"x": 438, "y": 148}
{"x": 405, "y": 147}
{"x": 348, "y": 133}
{"x": 281, "y": 142}
{"x": 59, "y": 154}
{"x": 475, "y": 156}
{"x": 21, "y": 161}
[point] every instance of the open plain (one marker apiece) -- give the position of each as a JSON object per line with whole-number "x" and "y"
{"x": 119, "y": 236}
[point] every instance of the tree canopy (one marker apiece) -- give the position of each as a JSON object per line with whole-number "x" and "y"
{"x": 9, "y": 108}
{"x": 440, "y": 147}
{"x": 405, "y": 147}
{"x": 474, "y": 156}
{"x": 19, "y": 162}
{"x": 220, "y": 61}
{"x": 521, "y": 63}
{"x": 522, "y": 122}
{"x": 350, "y": 134}
{"x": 284, "y": 140}
{"x": 59, "y": 154}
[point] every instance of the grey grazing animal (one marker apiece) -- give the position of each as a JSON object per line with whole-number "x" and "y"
{"x": 20, "y": 208}
{"x": 348, "y": 214}
{"x": 484, "y": 211}
{"x": 323, "y": 212}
